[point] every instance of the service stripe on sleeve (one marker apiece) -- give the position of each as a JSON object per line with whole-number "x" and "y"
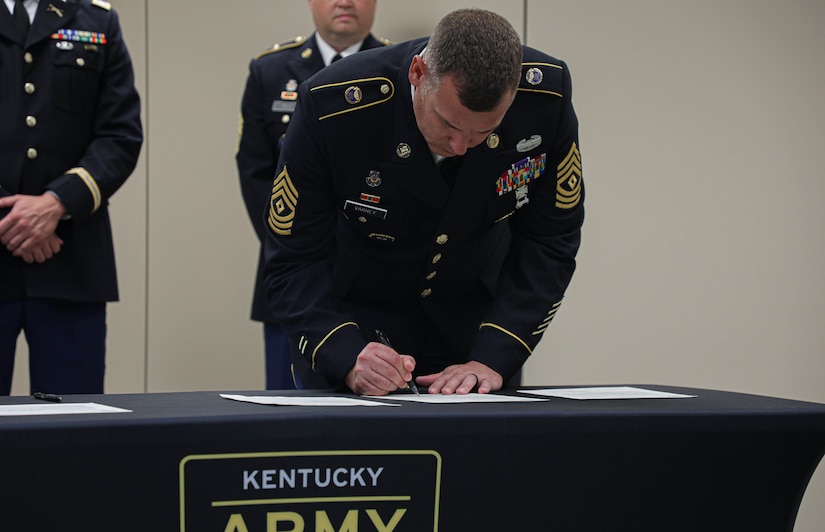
{"x": 90, "y": 183}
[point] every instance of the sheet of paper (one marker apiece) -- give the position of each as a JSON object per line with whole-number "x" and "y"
{"x": 282, "y": 400}
{"x": 606, "y": 392}
{"x": 452, "y": 399}
{"x": 50, "y": 409}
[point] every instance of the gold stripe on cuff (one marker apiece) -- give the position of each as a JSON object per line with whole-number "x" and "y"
{"x": 505, "y": 331}
{"x": 87, "y": 178}
{"x": 333, "y": 331}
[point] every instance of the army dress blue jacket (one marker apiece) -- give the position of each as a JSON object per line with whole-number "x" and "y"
{"x": 69, "y": 123}
{"x": 268, "y": 101}
{"x": 365, "y": 232}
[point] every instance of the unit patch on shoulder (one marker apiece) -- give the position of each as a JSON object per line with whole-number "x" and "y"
{"x": 352, "y": 95}
{"x": 282, "y": 204}
{"x": 569, "y": 180}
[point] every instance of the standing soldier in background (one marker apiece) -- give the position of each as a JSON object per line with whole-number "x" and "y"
{"x": 342, "y": 27}
{"x": 70, "y": 136}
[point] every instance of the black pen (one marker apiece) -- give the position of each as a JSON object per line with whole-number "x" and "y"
{"x": 52, "y": 398}
{"x": 386, "y": 341}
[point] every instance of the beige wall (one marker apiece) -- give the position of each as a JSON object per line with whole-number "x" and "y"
{"x": 202, "y": 252}
{"x": 701, "y": 130}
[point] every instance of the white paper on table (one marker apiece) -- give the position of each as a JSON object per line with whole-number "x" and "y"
{"x": 606, "y": 392}
{"x": 283, "y": 400}
{"x": 50, "y": 409}
{"x": 456, "y": 398}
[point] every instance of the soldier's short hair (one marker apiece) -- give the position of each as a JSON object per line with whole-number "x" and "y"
{"x": 482, "y": 53}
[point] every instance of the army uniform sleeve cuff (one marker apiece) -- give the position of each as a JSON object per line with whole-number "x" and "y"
{"x": 335, "y": 353}
{"x": 500, "y": 349}
{"x": 78, "y": 191}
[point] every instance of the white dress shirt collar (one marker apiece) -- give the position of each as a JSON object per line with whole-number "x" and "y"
{"x": 328, "y": 52}
{"x": 31, "y": 7}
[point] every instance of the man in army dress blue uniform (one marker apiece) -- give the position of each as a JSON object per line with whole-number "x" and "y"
{"x": 70, "y": 136}
{"x": 342, "y": 28}
{"x": 431, "y": 193}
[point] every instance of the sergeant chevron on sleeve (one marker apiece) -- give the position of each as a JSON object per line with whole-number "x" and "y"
{"x": 428, "y": 192}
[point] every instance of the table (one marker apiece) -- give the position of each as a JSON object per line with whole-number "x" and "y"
{"x": 197, "y": 462}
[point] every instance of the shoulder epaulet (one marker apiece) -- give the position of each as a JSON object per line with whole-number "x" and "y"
{"x": 335, "y": 99}
{"x": 102, "y": 5}
{"x": 385, "y": 41}
{"x": 547, "y": 78}
{"x": 279, "y": 47}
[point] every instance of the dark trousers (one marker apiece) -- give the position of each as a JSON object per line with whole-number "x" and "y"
{"x": 67, "y": 344}
{"x": 278, "y": 359}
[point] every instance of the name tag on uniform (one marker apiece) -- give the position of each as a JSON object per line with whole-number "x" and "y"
{"x": 280, "y": 106}
{"x": 362, "y": 209}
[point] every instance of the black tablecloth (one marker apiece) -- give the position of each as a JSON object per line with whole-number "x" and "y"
{"x": 197, "y": 462}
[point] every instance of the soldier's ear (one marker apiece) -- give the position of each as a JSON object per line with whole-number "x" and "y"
{"x": 418, "y": 71}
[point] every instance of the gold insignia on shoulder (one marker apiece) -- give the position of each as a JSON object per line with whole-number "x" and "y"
{"x": 282, "y": 204}
{"x": 403, "y": 150}
{"x": 385, "y": 41}
{"x": 102, "y": 5}
{"x": 278, "y": 47}
{"x": 493, "y": 141}
{"x": 358, "y": 93}
{"x": 353, "y": 95}
{"x": 306, "y": 54}
{"x": 534, "y": 76}
{"x": 569, "y": 180}
{"x": 540, "y": 77}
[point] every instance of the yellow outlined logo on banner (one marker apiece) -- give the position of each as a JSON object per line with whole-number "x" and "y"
{"x": 306, "y": 491}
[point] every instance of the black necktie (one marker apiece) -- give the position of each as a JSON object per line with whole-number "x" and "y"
{"x": 21, "y": 18}
{"x": 335, "y": 58}
{"x": 449, "y": 167}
